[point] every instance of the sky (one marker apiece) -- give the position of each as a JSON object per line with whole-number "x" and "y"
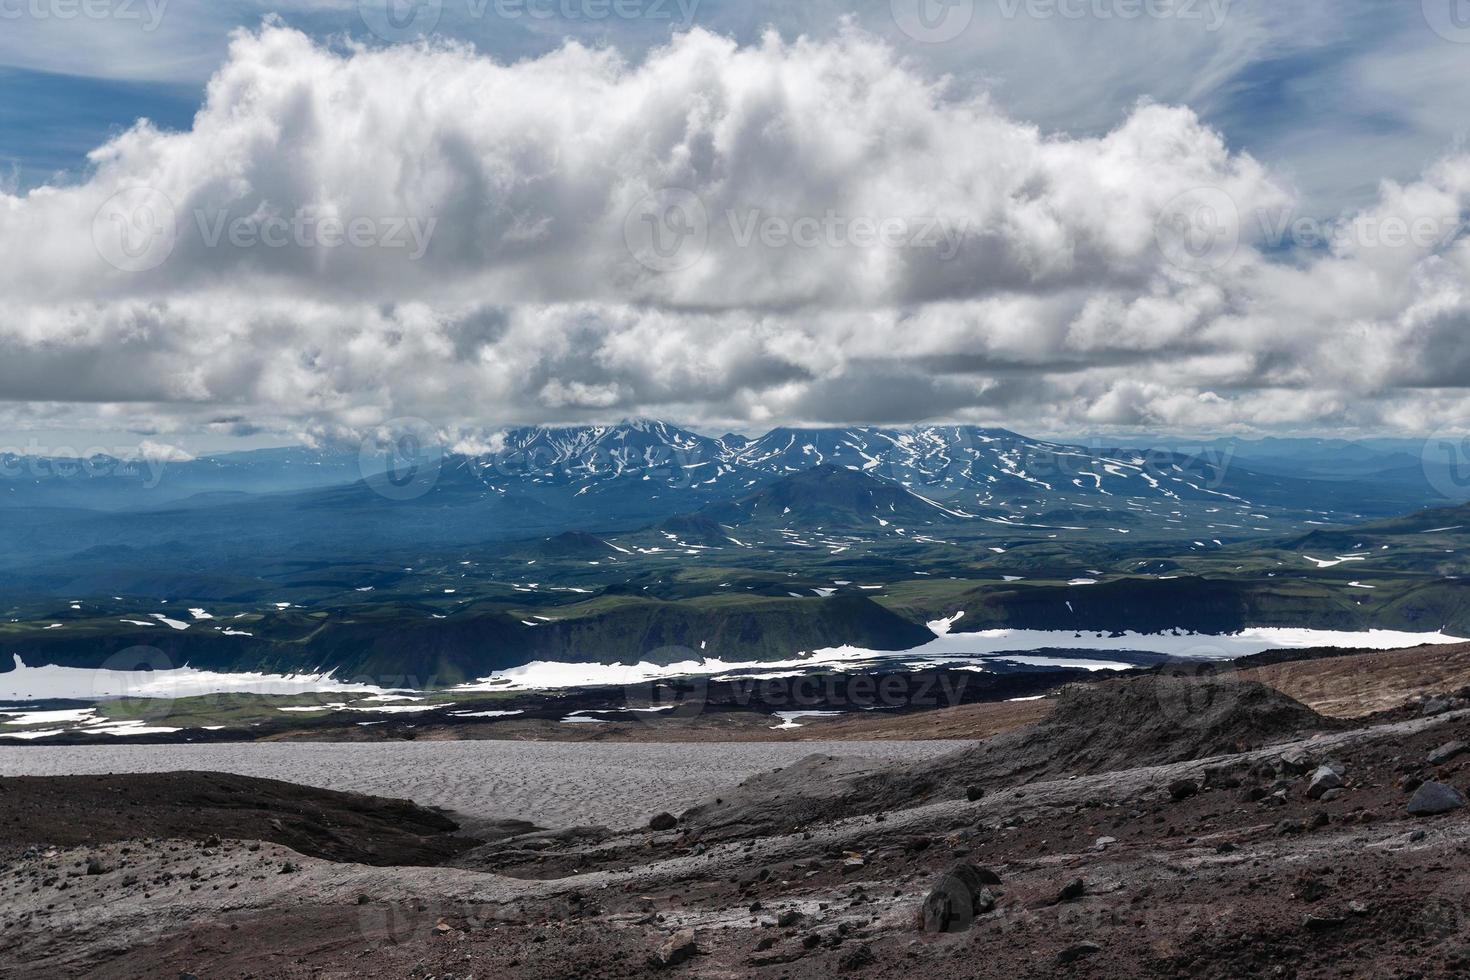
{"x": 252, "y": 222}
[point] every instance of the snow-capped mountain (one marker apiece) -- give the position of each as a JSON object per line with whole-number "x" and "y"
{"x": 967, "y": 466}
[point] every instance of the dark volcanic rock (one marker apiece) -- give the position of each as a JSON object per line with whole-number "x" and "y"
{"x": 1446, "y": 752}
{"x": 1324, "y": 779}
{"x": 957, "y": 897}
{"x": 1072, "y": 891}
{"x": 663, "y": 821}
{"x": 1432, "y": 799}
{"x": 1080, "y": 951}
{"x": 1183, "y": 789}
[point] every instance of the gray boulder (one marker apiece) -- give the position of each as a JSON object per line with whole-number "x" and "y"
{"x": 1446, "y": 752}
{"x": 1432, "y": 799}
{"x": 1324, "y": 779}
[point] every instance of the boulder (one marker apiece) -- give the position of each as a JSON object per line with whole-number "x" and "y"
{"x": 1295, "y": 762}
{"x": 1432, "y": 799}
{"x": 676, "y": 949}
{"x": 1446, "y": 752}
{"x": 957, "y": 897}
{"x": 1324, "y": 779}
{"x": 662, "y": 822}
{"x": 1183, "y": 789}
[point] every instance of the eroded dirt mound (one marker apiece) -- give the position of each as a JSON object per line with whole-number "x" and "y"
{"x": 1142, "y": 721}
{"x": 1121, "y": 724}
{"x": 68, "y": 811}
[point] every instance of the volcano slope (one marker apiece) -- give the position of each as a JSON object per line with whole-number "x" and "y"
{"x": 1147, "y": 827}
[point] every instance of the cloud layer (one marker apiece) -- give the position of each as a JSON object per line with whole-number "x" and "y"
{"x": 803, "y": 231}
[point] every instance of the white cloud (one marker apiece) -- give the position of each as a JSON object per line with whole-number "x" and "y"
{"x": 868, "y": 243}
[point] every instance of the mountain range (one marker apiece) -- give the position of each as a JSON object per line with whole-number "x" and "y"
{"x": 614, "y": 543}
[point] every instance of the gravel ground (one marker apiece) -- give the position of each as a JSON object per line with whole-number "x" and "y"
{"x": 551, "y": 784}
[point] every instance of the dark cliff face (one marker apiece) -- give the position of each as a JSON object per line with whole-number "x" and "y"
{"x": 415, "y": 650}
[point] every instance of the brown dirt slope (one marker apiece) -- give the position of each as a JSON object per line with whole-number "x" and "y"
{"x": 1362, "y": 684}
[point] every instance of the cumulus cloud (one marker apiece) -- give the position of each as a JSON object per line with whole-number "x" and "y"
{"x": 784, "y": 231}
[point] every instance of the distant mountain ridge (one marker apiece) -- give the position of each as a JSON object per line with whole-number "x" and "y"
{"x": 971, "y": 469}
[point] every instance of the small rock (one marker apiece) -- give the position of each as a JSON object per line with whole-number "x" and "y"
{"x": 1324, "y": 779}
{"x": 1103, "y": 843}
{"x": 1333, "y": 794}
{"x": 974, "y": 793}
{"x": 1432, "y": 799}
{"x": 289, "y": 867}
{"x": 788, "y": 918}
{"x": 1072, "y": 891}
{"x": 1183, "y": 789}
{"x": 1080, "y": 951}
{"x": 1435, "y": 706}
{"x": 662, "y": 822}
{"x": 1314, "y": 922}
{"x": 1447, "y": 751}
{"x": 676, "y": 949}
{"x": 96, "y": 867}
{"x": 1295, "y": 763}
{"x": 856, "y": 958}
